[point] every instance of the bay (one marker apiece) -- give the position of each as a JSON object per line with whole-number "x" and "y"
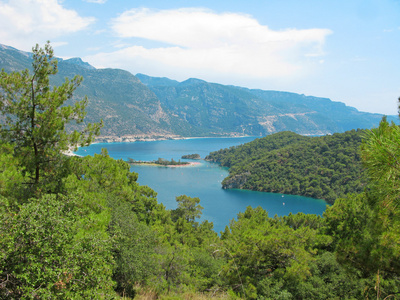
{"x": 202, "y": 180}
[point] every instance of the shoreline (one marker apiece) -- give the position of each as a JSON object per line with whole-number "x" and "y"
{"x": 106, "y": 139}
{"x": 132, "y": 139}
{"x": 116, "y": 140}
{"x": 70, "y": 153}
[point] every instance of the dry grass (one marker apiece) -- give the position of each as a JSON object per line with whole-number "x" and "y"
{"x": 152, "y": 295}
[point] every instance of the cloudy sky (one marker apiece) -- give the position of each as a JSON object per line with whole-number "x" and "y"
{"x": 345, "y": 50}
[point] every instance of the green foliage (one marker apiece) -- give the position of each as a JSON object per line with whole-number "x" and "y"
{"x": 366, "y": 227}
{"x": 134, "y": 249}
{"x": 324, "y": 167}
{"x": 381, "y": 156}
{"x": 259, "y": 249}
{"x": 102, "y": 177}
{"x": 299, "y": 220}
{"x": 44, "y": 256}
{"x": 191, "y": 156}
{"x": 188, "y": 208}
{"x": 187, "y": 256}
{"x": 254, "y": 150}
{"x": 35, "y": 116}
{"x": 349, "y": 223}
{"x": 172, "y": 162}
{"x": 328, "y": 280}
{"x": 11, "y": 178}
{"x": 160, "y": 162}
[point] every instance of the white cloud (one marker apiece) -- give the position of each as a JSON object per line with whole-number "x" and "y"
{"x": 200, "y": 41}
{"x": 58, "y": 44}
{"x": 23, "y": 23}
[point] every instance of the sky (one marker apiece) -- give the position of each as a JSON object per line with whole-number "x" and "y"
{"x": 345, "y": 50}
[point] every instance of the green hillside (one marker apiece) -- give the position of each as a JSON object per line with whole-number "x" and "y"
{"x": 326, "y": 167}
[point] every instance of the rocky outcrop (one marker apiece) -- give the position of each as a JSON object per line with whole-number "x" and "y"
{"x": 236, "y": 181}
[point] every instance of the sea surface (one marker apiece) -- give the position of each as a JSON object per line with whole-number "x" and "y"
{"x": 202, "y": 180}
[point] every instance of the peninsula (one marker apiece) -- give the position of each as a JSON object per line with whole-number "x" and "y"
{"x": 162, "y": 162}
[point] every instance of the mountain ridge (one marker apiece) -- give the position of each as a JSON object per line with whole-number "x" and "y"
{"x": 145, "y": 107}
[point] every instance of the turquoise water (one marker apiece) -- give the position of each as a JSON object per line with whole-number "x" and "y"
{"x": 203, "y": 180}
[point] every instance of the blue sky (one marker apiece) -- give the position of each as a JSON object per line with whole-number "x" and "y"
{"x": 347, "y": 51}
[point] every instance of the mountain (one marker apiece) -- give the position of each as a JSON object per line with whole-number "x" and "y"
{"x": 128, "y": 108}
{"x": 12, "y": 59}
{"x": 156, "y": 81}
{"x": 78, "y": 61}
{"x": 145, "y": 107}
{"x": 241, "y": 111}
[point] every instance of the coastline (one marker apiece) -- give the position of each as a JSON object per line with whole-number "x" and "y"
{"x": 151, "y": 138}
{"x": 124, "y": 139}
{"x": 131, "y": 138}
{"x": 69, "y": 152}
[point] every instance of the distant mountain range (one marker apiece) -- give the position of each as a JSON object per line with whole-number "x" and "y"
{"x": 143, "y": 107}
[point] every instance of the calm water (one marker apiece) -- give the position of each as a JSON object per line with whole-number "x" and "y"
{"x": 203, "y": 181}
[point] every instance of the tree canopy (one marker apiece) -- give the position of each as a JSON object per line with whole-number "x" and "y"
{"x": 35, "y": 116}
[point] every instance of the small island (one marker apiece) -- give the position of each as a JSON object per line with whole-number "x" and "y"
{"x": 191, "y": 156}
{"x": 160, "y": 162}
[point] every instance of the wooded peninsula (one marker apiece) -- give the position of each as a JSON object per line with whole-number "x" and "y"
{"x": 326, "y": 167}
{"x": 159, "y": 162}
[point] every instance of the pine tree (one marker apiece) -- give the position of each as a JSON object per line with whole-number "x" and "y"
{"x": 35, "y": 115}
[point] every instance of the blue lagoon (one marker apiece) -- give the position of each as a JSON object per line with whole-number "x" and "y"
{"x": 202, "y": 180}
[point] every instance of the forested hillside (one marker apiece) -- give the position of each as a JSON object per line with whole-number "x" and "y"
{"x": 83, "y": 228}
{"x": 326, "y": 167}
